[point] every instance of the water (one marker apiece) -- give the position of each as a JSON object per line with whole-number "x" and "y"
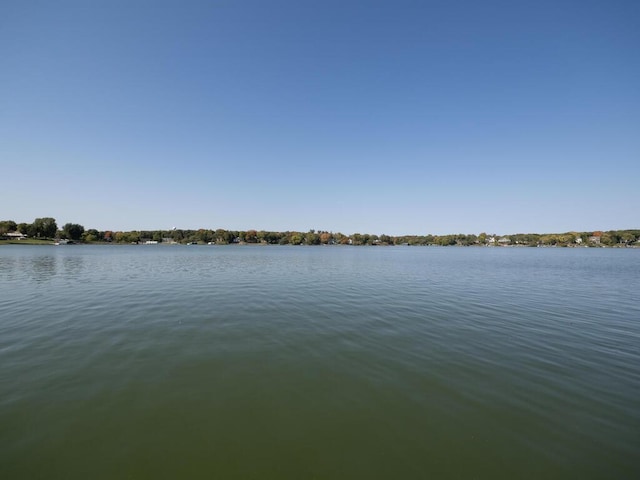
{"x": 319, "y": 362}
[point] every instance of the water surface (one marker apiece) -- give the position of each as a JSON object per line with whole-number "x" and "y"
{"x": 319, "y": 362}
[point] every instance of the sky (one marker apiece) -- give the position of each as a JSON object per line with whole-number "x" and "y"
{"x": 383, "y": 117}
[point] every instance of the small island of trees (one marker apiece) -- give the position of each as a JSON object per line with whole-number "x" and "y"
{"x": 45, "y": 230}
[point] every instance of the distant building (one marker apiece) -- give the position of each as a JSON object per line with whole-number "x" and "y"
{"x": 594, "y": 239}
{"x": 504, "y": 241}
{"x": 15, "y": 236}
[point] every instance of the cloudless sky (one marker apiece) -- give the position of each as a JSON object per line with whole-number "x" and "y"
{"x": 396, "y": 117}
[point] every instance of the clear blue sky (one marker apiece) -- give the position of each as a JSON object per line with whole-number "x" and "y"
{"x": 388, "y": 117}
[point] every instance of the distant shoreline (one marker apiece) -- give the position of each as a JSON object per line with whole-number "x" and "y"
{"x": 52, "y": 243}
{"x": 45, "y": 230}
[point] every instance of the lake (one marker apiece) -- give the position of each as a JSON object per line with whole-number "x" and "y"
{"x": 282, "y": 362}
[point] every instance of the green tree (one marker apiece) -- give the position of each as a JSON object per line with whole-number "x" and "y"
{"x": 7, "y": 226}
{"x": 73, "y": 231}
{"x": 386, "y": 239}
{"x": 627, "y": 238}
{"x": 223, "y": 236}
{"x": 203, "y": 235}
{"x": 312, "y": 238}
{"x": 609, "y": 238}
{"x": 45, "y": 227}
{"x": 91, "y": 235}
{"x": 284, "y": 240}
{"x": 272, "y": 238}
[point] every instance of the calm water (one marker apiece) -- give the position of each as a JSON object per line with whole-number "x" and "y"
{"x": 319, "y": 362}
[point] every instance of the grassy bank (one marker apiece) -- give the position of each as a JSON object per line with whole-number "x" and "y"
{"x": 27, "y": 241}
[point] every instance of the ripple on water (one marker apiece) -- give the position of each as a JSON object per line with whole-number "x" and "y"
{"x": 345, "y": 361}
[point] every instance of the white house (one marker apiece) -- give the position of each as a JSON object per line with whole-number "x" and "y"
{"x": 15, "y": 236}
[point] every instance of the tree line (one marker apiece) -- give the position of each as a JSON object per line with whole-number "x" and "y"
{"x": 44, "y": 228}
{"x": 47, "y": 228}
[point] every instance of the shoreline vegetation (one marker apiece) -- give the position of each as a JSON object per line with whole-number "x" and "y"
{"x": 45, "y": 231}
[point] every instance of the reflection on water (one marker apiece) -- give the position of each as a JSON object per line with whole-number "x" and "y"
{"x": 73, "y": 266}
{"x": 7, "y": 266}
{"x": 41, "y": 268}
{"x": 36, "y": 268}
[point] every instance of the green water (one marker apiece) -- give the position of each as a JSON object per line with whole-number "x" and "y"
{"x": 319, "y": 362}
